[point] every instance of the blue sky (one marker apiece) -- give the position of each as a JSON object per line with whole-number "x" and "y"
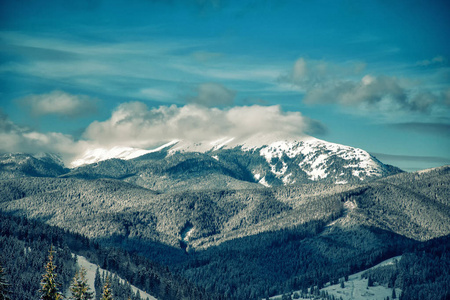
{"x": 369, "y": 74}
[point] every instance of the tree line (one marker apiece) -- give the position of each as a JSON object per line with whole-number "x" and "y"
{"x": 50, "y": 286}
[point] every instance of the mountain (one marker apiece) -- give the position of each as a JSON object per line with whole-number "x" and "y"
{"x": 205, "y": 216}
{"x": 243, "y": 219}
{"x": 258, "y": 241}
{"x": 230, "y": 163}
{"x": 16, "y": 165}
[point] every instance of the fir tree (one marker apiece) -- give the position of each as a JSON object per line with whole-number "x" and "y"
{"x": 97, "y": 284}
{"x": 4, "y": 285}
{"x": 107, "y": 293}
{"x": 394, "y": 296}
{"x": 80, "y": 288}
{"x": 369, "y": 281}
{"x": 49, "y": 289}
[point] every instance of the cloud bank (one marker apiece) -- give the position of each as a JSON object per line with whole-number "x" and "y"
{"x": 325, "y": 83}
{"x": 134, "y": 124}
{"x": 59, "y": 103}
{"x": 15, "y": 138}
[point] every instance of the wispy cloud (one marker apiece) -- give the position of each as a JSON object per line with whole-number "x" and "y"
{"x": 437, "y": 60}
{"x": 59, "y": 103}
{"x": 134, "y": 68}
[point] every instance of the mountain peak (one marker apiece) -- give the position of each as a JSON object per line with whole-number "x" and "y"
{"x": 269, "y": 160}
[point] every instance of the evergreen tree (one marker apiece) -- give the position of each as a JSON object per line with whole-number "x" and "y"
{"x": 4, "y": 285}
{"x": 97, "y": 284}
{"x": 370, "y": 281}
{"x": 49, "y": 289}
{"x": 80, "y": 287}
{"x": 394, "y": 296}
{"x": 107, "y": 293}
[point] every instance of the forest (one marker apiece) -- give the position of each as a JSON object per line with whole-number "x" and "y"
{"x": 247, "y": 243}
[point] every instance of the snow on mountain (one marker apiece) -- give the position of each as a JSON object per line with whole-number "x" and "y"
{"x": 100, "y": 154}
{"x": 318, "y": 157}
{"x": 273, "y": 159}
{"x": 356, "y": 288}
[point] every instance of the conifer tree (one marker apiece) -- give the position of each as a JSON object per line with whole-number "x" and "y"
{"x": 4, "y": 285}
{"x": 79, "y": 287}
{"x": 97, "y": 284}
{"x": 107, "y": 293}
{"x": 49, "y": 289}
{"x": 394, "y": 296}
{"x": 369, "y": 281}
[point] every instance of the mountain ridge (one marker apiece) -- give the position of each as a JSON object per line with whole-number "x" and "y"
{"x": 266, "y": 161}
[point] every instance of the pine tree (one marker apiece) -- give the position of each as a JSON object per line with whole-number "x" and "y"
{"x": 80, "y": 288}
{"x": 107, "y": 293}
{"x": 4, "y": 286}
{"x": 394, "y": 296}
{"x": 97, "y": 284}
{"x": 369, "y": 281}
{"x": 49, "y": 289}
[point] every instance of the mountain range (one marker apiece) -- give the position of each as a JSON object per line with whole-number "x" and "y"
{"x": 223, "y": 163}
{"x": 243, "y": 219}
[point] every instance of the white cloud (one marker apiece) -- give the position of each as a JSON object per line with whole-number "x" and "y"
{"x": 213, "y": 94}
{"x": 134, "y": 124}
{"x": 15, "y": 138}
{"x": 59, "y": 103}
{"x": 376, "y": 94}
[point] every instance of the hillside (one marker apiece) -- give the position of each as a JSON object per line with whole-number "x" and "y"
{"x": 303, "y": 234}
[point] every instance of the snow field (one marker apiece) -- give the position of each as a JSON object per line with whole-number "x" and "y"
{"x": 90, "y": 275}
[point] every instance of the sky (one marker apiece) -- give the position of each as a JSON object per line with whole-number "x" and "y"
{"x": 79, "y": 75}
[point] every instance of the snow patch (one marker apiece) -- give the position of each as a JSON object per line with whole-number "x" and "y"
{"x": 90, "y": 276}
{"x": 341, "y": 182}
{"x": 286, "y": 179}
{"x": 220, "y": 143}
{"x": 356, "y": 288}
{"x": 264, "y": 182}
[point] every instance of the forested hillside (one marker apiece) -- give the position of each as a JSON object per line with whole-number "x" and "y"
{"x": 245, "y": 243}
{"x": 24, "y": 246}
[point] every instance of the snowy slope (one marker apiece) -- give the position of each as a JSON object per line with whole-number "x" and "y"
{"x": 90, "y": 275}
{"x": 100, "y": 154}
{"x": 286, "y": 160}
{"x": 356, "y": 288}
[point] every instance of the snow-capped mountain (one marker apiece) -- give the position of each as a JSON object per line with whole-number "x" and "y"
{"x": 269, "y": 160}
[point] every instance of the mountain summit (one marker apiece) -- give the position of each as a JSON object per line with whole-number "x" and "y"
{"x": 265, "y": 159}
